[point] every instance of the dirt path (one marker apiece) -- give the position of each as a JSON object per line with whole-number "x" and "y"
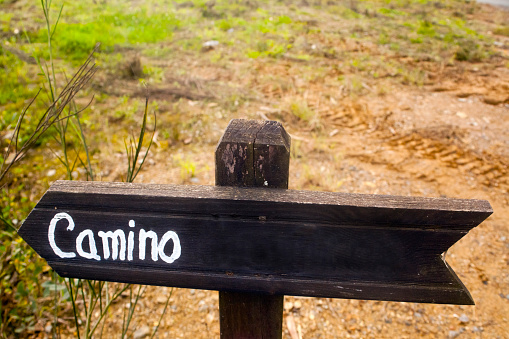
{"x": 421, "y": 143}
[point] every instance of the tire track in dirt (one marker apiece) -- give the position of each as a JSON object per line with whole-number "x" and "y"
{"x": 445, "y": 145}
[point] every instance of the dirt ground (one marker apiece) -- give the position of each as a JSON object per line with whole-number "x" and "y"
{"x": 447, "y": 142}
{"x": 449, "y": 138}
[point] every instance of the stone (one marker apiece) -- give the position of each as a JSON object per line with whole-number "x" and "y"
{"x": 141, "y": 332}
{"x": 453, "y": 334}
{"x": 463, "y": 318}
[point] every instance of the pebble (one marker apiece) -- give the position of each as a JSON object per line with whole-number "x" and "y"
{"x": 464, "y": 318}
{"x": 48, "y": 328}
{"x": 211, "y": 43}
{"x": 210, "y": 318}
{"x": 141, "y": 332}
{"x": 454, "y": 334}
{"x": 477, "y": 329}
{"x": 161, "y": 299}
{"x": 203, "y": 306}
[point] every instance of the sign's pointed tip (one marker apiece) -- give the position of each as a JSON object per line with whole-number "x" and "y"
{"x": 464, "y": 296}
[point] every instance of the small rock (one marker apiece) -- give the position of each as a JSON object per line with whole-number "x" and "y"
{"x": 208, "y": 45}
{"x": 48, "y": 328}
{"x": 161, "y": 299}
{"x": 210, "y": 318}
{"x": 477, "y": 329}
{"x": 141, "y": 332}
{"x": 461, "y": 115}
{"x": 463, "y": 318}
{"x": 288, "y": 306}
{"x": 417, "y": 314}
{"x": 454, "y": 334}
{"x": 297, "y": 304}
{"x": 51, "y": 172}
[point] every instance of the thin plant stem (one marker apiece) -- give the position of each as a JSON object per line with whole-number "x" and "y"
{"x": 133, "y": 150}
{"x": 8, "y": 223}
{"x": 132, "y": 307}
{"x": 85, "y": 146}
{"x": 56, "y": 305}
{"x": 162, "y": 314}
{"x": 74, "y": 308}
{"x": 51, "y": 115}
{"x": 101, "y": 316}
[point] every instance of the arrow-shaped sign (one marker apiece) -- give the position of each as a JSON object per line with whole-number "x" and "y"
{"x": 255, "y": 239}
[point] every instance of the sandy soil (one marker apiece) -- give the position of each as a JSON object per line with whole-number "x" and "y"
{"x": 443, "y": 140}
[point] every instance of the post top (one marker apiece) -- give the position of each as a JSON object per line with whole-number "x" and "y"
{"x": 244, "y": 131}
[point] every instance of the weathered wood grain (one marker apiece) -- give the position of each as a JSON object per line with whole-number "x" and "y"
{"x": 252, "y": 315}
{"x": 440, "y": 214}
{"x": 268, "y": 240}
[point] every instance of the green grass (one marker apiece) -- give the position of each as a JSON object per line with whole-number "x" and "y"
{"x": 114, "y": 29}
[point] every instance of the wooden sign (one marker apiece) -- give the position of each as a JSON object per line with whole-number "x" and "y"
{"x": 257, "y": 240}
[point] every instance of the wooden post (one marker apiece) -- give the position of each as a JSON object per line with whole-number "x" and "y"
{"x": 252, "y": 154}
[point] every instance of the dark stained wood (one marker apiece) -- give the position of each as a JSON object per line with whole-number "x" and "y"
{"x": 271, "y": 156}
{"x": 235, "y": 154}
{"x": 251, "y": 315}
{"x": 438, "y": 214}
{"x": 266, "y": 240}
